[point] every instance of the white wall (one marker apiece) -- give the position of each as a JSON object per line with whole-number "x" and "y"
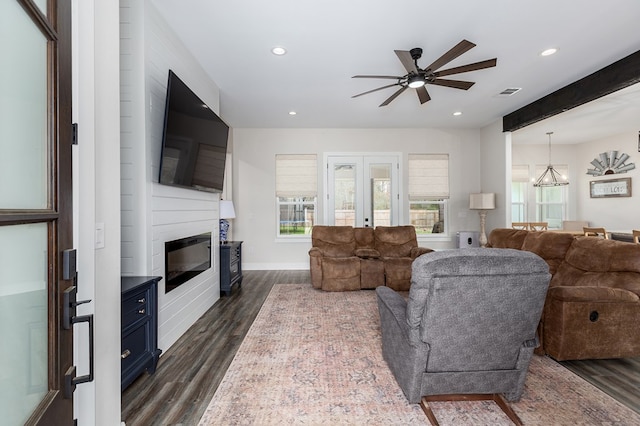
{"x": 153, "y": 214}
{"x": 495, "y": 161}
{"x": 254, "y": 181}
{"x": 615, "y": 214}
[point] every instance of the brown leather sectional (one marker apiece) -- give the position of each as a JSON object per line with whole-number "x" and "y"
{"x": 344, "y": 258}
{"x": 592, "y": 309}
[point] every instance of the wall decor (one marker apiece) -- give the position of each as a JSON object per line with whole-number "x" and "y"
{"x": 610, "y": 188}
{"x": 610, "y": 163}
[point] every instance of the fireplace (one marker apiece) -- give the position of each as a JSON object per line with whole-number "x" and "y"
{"x": 185, "y": 258}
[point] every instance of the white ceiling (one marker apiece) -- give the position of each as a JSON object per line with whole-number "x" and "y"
{"x": 328, "y": 41}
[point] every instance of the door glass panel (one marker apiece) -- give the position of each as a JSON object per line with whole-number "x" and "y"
{"x": 23, "y": 111}
{"x": 345, "y": 194}
{"x": 23, "y": 320}
{"x": 380, "y": 179}
{"x": 42, "y": 5}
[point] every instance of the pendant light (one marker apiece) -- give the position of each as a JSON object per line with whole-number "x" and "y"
{"x": 551, "y": 177}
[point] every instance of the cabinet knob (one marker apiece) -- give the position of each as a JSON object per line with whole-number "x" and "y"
{"x": 141, "y": 311}
{"x": 142, "y": 300}
{"x": 125, "y": 354}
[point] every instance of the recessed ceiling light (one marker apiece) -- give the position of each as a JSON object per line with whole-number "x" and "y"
{"x": 292, "y": 113}
{"x": 279, "y": 51}
{"x": 457, "y": 113}
{"x": 548, "y": 52}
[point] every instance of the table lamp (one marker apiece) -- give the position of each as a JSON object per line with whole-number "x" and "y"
{"x": 226, "y": 212}
{"x": 482, "y": 202}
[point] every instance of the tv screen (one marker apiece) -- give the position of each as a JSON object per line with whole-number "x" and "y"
{"x": 194, "y": 141}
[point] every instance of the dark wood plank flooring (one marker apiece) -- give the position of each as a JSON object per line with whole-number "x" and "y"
{"x": 619, "y": 378}
{"x": 189, "y": 373}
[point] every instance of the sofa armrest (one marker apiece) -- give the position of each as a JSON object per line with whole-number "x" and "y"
{"x": 406, "y": 360}
{"x": 367, "y": 253}
{"x": 419, "y": 251}
{"x": 592, "y": 294}
{"x": 315, "y": 252}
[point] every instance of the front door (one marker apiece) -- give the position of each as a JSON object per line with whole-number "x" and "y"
{"x": 35, "y": 209}
{"x": 362, "y": 190}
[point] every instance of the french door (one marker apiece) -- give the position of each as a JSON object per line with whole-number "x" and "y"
{"x": 362, "y": 190}
{"x": 35, "y": 209}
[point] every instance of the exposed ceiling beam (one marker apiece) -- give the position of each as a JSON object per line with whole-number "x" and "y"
{"x": 609, "y": 79}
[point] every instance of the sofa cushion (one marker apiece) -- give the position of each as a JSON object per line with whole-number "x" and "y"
{"x": 597, "y": 262}
{"x": 395, "y": 241}
{"x": 334, "y": 241}
{"x": 551, "y": 246}
{"x": 507, "y": 238}
{"x": 365, "y": 238}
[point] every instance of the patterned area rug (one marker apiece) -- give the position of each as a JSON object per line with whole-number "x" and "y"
{"x": 315, "y": 358}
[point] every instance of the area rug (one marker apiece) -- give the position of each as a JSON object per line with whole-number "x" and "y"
{"x": 315, "y": 358}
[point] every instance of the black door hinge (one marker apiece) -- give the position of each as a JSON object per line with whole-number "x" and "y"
{"x": 74, "y": 134}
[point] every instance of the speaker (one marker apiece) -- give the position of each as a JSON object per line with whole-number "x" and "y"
{"x": 467, "y": 239}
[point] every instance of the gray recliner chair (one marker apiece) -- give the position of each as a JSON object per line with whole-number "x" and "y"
{"x": 468, "y": 329}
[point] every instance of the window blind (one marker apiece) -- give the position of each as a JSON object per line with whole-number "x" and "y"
{"x": 520, "y": 173}
{"x": 428, "y": 176}
{"x": 296, "y": 175}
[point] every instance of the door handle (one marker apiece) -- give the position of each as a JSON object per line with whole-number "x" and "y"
{"x": 69, "y": 318}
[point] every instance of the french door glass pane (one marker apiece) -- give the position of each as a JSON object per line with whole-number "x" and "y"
{"x": 23, "y": 320}
{"x": 42, "y": 5}
{"x": 345, "y": 194}
{"x": 23, "y": 111}
{"x": 381, "y": 193}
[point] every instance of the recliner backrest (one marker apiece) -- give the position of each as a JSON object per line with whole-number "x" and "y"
{"x": 334, "y": 241}
{"x": 476, "y": 308}
{"x": 395, "y": 241}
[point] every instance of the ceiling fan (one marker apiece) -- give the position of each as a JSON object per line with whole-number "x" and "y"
{"x": 417, "y": 78}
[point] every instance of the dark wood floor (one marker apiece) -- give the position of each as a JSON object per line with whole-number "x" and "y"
{"x": 189, "y": 372}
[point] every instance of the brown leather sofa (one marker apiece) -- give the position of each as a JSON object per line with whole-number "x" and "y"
{"x": 345, "y": 258}
{"x": 592, "y": 309}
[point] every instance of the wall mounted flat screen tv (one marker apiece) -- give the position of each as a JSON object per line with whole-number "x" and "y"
{"x": 194, "y": 141}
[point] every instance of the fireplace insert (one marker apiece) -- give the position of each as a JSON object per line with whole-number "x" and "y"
{"x": 185, "y": 258}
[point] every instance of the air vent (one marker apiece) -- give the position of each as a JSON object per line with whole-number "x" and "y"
{"x": 509, "y": 91}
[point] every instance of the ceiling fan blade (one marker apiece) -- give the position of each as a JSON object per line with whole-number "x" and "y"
{"x": 453, "y": 53}
{"x": 423, "y": 95}
{"x": 378, "y": 76}
{"x": 392, "y": 97}
{"x": 407, "y": 61}
{"x": 374, "y": 90}
{"x": 466, "y": 68}
{"x": 456, "y": 84}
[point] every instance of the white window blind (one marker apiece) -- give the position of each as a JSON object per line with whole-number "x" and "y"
{"x": 428, "y": 176}
{"x": 296, "y": 175}
{"x": 520, "y": 173}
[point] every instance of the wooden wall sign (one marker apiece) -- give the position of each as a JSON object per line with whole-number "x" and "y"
{"x": 610, "y": 188}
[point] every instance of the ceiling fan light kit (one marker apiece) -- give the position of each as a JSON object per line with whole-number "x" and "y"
{"x": 417, "y": 78}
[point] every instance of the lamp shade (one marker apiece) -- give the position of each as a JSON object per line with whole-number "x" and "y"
{"x": 226, "y": 210}
{"x": 482, "y": 201}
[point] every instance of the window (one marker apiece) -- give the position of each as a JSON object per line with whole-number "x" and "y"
{"x": 519, "y": 185}
{"x": 296, "y": 194}
{"x": 551, "y": 200}
{"x": 428, "y": 192}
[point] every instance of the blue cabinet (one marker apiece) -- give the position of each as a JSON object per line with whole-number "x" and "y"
{"x": 139, "y": 322}
{"x": 230, "y": 265}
